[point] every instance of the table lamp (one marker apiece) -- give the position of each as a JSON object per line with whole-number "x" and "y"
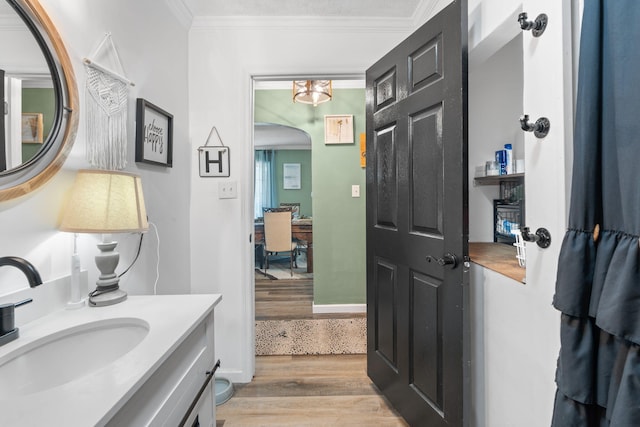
{"x": 105, "y": 201}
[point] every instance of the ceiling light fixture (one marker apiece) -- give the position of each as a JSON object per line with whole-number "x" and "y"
{"x": 312, "y": 91}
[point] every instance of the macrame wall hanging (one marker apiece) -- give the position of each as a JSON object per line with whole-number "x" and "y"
{"x": 107, "y": 93}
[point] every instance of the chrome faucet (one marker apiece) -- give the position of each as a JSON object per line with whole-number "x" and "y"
{"x": 8, "y": 331}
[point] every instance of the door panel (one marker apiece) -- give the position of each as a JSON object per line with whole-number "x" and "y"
{"x": 386, "y": 312}
{"x": 416, "y": 214}
{"x": 426, "y": 165}
{"x": 427, "y": 341}
{"x": 387, "y": 186}
{"x": 426, "y": 64}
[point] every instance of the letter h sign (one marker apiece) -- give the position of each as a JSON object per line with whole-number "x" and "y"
{"x": 214, "y": 161}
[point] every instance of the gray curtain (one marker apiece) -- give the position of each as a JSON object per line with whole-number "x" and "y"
{"x": 598, "y": 282}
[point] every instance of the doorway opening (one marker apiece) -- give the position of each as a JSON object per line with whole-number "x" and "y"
{"x": 316, "y": 181}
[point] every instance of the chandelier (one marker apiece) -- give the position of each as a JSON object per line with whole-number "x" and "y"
{"x": 312, "y": 91}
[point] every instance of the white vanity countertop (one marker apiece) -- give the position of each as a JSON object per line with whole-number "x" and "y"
{"x": 95, "y": 398}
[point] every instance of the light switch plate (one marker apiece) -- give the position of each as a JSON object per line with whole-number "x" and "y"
{"x": 227, "y": 190}
{"x": 355, "y": 191}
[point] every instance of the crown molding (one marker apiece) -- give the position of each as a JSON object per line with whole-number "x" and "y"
{"x": 303, "y": 23}
{"x": 426, "y": 10}
{"x": 181, "y": 11}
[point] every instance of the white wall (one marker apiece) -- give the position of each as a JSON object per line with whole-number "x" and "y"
{"x": 151, "y": 43}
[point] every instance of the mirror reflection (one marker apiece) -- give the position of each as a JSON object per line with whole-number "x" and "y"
{"x": 28, "y": 94}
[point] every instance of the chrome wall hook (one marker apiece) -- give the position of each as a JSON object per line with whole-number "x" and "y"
{"x": 542, "y": 237}
{"x": 540, "y": 128}
{"x": 537, "y": 27}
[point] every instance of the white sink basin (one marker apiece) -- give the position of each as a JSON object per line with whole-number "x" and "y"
{"x": 67, "y": 355}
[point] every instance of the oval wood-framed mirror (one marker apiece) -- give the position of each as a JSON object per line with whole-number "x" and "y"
{"x": 47, "y": 161}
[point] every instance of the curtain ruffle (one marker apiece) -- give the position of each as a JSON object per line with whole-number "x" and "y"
{"x": 598, "y": 374}
{"x": 601, "y": 280}
{"x": 598, "y": 377}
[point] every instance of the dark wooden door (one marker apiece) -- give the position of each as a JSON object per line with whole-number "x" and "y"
{"x": 417, "y": 226}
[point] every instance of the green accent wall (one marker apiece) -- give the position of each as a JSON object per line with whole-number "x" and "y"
{"x": 339, "y": 244}
{"x": 38, "y": 100}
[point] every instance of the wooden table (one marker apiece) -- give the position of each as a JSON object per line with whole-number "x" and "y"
{"x": 300, "y": 229}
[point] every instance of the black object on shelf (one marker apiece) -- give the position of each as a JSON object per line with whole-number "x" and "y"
{"x": 507, "y": 215}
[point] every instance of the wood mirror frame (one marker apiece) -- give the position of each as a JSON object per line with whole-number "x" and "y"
{"x": 22, "y": 180}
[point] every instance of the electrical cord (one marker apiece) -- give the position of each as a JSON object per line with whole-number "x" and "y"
{"x": 155, "y": 285}
{"x": 135, "y": 259}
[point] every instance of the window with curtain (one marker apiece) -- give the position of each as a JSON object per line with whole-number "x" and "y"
{"x": 264, "y": 181}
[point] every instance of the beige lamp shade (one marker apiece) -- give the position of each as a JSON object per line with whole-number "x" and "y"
{"x": 104, "y": 201}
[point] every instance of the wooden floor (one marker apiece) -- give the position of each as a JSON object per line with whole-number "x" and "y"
{"x": 289, "y": 299}
{"x": 325, "y": 390}
{"x": 308, "y": 391}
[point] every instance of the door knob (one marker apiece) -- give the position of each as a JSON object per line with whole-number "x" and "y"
{"x": 447, "y": 259}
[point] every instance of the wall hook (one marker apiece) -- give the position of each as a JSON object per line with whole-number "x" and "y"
{"x": 542, "y": 237}
{"x": 540, "y": 128}
{"x": 537, "y": 27}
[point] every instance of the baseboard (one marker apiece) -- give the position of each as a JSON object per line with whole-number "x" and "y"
{"x": 339, "y": 308}
{"x": 235, "y": 376}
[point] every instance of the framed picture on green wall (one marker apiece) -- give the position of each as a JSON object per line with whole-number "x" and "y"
{"x": 338, "y": 129}
{"x": 291, "y": 176}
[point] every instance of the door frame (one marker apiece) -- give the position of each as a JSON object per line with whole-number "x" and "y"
{"x": 248, "y": 202}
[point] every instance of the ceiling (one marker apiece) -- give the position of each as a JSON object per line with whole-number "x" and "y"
{"x": 308, "y": 8}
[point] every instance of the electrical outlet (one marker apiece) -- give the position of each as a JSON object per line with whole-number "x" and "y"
{"x": 355, "y": 191}
{"x": 228, "y": 190}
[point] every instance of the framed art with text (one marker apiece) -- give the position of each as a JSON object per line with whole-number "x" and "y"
{"x": 154, "y": 134}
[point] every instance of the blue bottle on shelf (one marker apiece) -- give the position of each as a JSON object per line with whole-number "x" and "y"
{"x": 501, "y": 159}
{"x": 508, "y": 159}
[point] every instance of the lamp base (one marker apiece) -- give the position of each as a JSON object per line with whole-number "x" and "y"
{"x": 107, "y": 291}
{"x": 107, "y": 298}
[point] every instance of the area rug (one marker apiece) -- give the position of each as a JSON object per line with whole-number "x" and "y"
{"x": 311, "y": 336}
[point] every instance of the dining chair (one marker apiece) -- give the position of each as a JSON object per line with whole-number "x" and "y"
{"x": 278, "y": 238}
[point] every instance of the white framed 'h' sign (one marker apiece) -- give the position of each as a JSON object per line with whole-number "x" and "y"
{"x": 214, "y": 161}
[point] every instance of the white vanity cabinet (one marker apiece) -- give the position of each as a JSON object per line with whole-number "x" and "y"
{"x": 72, "y": 373}
{"x": 166, "y": 397}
